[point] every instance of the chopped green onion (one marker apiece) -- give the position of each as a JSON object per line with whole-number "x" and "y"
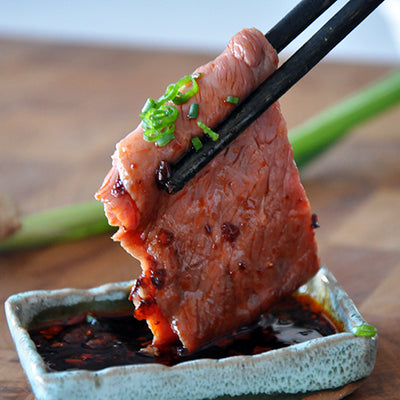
{"x": 182, "y": 98}
{"x": 150, "y": 103}
{"x": 208, "y": 131}
{"x": 232, "y": 99}
{"x": 154, "y": 135}
{"x": 213, "y": 135}
{"x": 159, "y": 124}
{"x": 193, "y": 111}
{"x": 163, "y": 140}
{"x": 196, "y": 142}
{"x": 158, "y": 118}
{"x": 364, "y": 330}
{"x": 151, "y": 135}
{"x": 145, "y": 126}
{"x": 170, "y": 93}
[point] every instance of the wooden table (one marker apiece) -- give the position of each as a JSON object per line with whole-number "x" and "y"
{"x": 63, "y": 108}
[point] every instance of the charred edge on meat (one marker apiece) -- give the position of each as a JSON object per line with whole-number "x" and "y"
{"x": 139, "y": 283}
{"x": 145, "y": 308}
{"x": 164, "y": 237}
{"x": 229, "y": 232}
{"x": 163, "y": 173}
{"x": 158, "y": 278}
{"x": 314, "y": 221}
{"x": 242, "y": 266}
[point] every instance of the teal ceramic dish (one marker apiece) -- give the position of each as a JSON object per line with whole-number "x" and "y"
{"x": 333, "y": 364}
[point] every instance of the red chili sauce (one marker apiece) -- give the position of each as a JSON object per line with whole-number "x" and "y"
{"x": 96, "y": 340}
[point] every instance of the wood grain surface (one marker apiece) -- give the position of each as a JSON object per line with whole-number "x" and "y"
{"x": 63, "y": 108}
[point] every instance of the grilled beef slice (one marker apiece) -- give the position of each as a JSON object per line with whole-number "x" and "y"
{"x": 238, "y": 236}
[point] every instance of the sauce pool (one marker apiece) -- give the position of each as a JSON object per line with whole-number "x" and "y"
{"x": 97, "y": 340}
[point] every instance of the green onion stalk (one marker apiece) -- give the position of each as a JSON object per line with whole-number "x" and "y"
{"x": 314, "y": 136}
{"x": 57, "y": 225}
{"x": 309, "y": 140}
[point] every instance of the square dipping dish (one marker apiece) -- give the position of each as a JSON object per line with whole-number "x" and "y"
{"x": 321, "y": 368}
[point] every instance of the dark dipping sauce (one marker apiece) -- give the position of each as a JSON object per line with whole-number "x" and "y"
{"x": 97, "y": 340}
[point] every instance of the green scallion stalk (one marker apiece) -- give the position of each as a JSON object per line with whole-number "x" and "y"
{"x": 181, "y": 97}
{"x": 308, "y": 140}
{"x": 232, "y": 100}
{"x": 193, "y": 111}
{"x": 150, "y": 103}
{"x": 317, "y": 134}
{"x": 170, "y": 93}
{"x": 208, "y": 131}
{"x": 196, "y": 142}
{"x": 163, "y": 140}
{"x": 58, "y": 225}
{"x": 364, "y": 330}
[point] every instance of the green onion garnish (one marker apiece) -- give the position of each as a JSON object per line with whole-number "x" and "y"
{"x": 181, "y": 98}
{"x": 163, "y": 140}
{"x": 170, "y": 93}
{"x": 159, "y": 124}
{"x": 154, "y": 135}
{"x": 364, "y": 330}
{"x": 213, "y": 135}
{"x": 150, "y": 103}
{"x": 196, "y": 142}
{"x": 193, "y": 111}
{"x": 158, "y": 118}
{"x": 232, "y": 99}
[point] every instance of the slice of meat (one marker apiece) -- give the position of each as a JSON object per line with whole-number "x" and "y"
{"x": 238, "y": 236}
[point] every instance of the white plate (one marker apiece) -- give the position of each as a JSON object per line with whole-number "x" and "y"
{"x": 336, "y": 363}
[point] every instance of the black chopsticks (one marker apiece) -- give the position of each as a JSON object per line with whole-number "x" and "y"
{"x": 295, "y": 22}
{"x": 320, "y": 44}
